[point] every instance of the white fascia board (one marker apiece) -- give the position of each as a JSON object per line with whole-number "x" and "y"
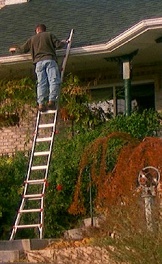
{"x": 12, "y": 2}
{"x": 13, "y": 59}
{"x": 121, "y": 39}
{"x": 108, "y": 47}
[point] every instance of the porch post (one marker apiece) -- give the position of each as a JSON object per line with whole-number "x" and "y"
{"x": 127, "y": 86}
{"x": 114, "y": 101}
{"x": 126, "y": 60}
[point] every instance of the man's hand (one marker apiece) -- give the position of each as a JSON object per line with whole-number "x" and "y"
{"x": 65, "y": 41}
{"x": 12, "y": 50}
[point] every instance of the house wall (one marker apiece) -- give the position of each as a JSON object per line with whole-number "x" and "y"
{"x": 20, "y": 137}
{"x": 158, "y": 94}
{"x": 113, "y": 78}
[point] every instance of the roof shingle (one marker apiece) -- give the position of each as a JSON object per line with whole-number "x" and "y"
{"x": 94, "y": 21}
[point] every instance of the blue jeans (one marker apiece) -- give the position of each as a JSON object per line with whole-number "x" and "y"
{"x": 48, "y": 81}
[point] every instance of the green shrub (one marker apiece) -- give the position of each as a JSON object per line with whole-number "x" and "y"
{"x": 64, "y": 170}
{"x": 11, "y": 183}
{"x": 138, "y": 125}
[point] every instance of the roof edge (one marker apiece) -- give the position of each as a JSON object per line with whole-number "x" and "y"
{"x": 121, "y": 39}
{"x": 107, "y": 47}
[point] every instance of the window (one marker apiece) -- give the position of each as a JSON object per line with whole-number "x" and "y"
{"x": 102, "y": 99}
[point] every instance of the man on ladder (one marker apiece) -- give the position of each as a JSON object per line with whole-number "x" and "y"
{"x": 43, "y": 47}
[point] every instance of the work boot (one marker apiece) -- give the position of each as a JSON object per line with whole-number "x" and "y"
{"x": 42, "y": 108}
{"x": 51, "y": 105}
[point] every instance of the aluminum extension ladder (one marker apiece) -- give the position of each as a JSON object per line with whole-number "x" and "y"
{"x": 31, "y": 209}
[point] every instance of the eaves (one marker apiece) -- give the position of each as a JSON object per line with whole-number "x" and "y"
{"x": 121, "y": 40}
{"x": 104, "y": 48}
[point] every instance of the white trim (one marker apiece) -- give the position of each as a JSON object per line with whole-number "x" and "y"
{"x": 118, "y": 84}
{"x": 123, "y": 38}
{"x": 14, "y": 59}
{"x": 108, "y": 47}
{"x": 12, "y": 2}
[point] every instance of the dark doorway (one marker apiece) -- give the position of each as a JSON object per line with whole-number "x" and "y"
{"x": 144, "y": 95}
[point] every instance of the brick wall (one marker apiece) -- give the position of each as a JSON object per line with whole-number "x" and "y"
{"x": 20, "y": 137}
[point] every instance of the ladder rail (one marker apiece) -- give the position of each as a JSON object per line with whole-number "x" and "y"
{"x": 66, "y": 55}
{"x": 53, "y": 132}
{"x": 32, "y": 151}
{"x": 14, "y": 229}
{"x": 46, "y": 173}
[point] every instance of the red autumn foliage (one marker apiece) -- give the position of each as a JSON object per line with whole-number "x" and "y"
{"x": 59, "y": 187}
{"x": 121, "y": 184}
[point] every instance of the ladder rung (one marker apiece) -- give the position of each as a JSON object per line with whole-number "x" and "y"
{"x": 38, "y": 195}
{"x": 42, "y": 167}
{"x": 44, "y": 139}
{"x": 42, "y": 153}
{"x": 48, "y": 112}
{"x": 46, "y": 125}
{"x": 39, "y": 181}
{"x": 28, "y": 226}
{"x": 30, "y": 210}
{"x": 34, "y": 199}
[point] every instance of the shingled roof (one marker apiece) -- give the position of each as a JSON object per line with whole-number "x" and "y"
{"x": 94, "y": 21}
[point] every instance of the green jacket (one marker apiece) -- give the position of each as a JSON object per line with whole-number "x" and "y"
{"x": 42, "y": 46}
